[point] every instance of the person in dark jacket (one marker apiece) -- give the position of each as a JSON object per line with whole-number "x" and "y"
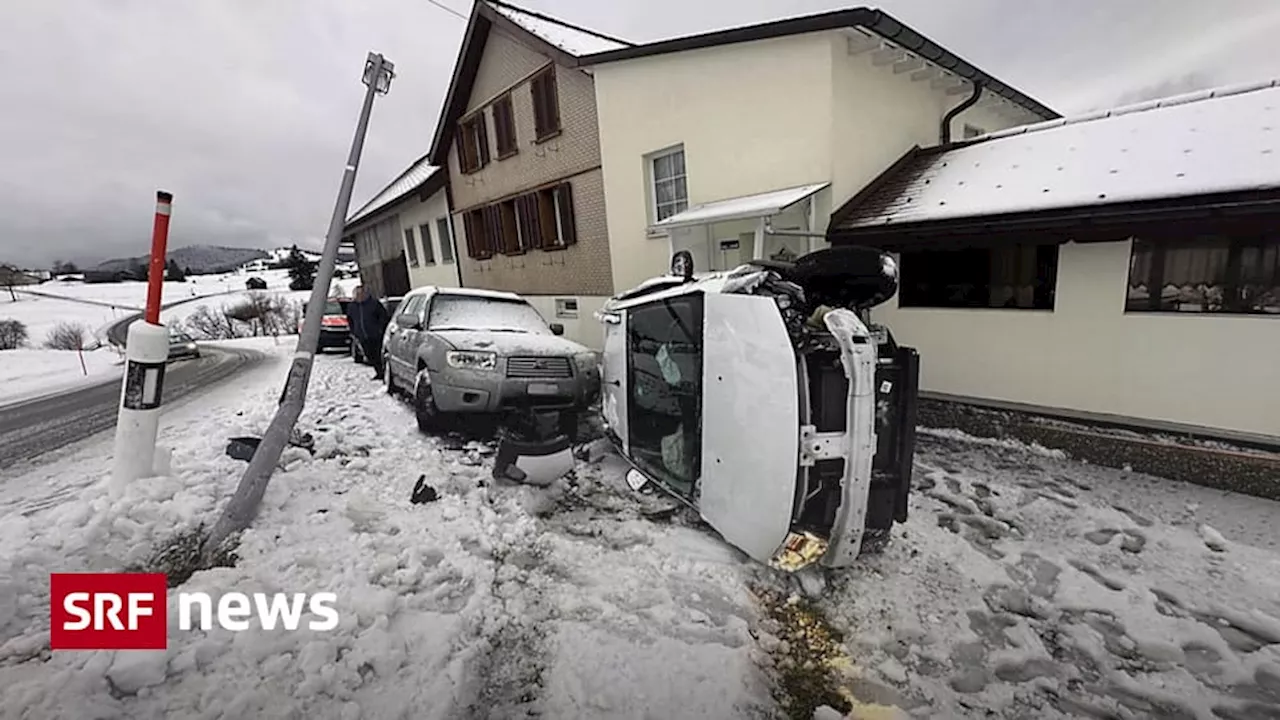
{"x": 367, "y": 318}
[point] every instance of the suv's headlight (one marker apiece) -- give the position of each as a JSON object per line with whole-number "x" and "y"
{"x": 472, "y": 360}
{"x": 587, "y": 362}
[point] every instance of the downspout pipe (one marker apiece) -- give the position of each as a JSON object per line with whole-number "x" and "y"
{"x": 944, "y": 133}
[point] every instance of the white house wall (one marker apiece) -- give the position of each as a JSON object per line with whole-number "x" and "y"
{"x": 752, "y": 117}
{"x": 877, "y": 115}
{"x": 416, "y": 213}
{"x": 1088, "y": 355}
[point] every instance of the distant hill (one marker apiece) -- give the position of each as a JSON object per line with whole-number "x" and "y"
{"x": 203, "y": 259}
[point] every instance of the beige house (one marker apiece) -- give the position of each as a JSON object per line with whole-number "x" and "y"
{"x": 739, "y": 144}
{"x": 1121, "y": 267}
{"x": 519, "y": 136}
{"x": 403, "y": 236}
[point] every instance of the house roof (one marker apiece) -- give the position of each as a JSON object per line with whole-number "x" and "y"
{"x": 889, "y": 30}
{"x": 561, "y": 41}
{"x": 406, "y": 182}
{"x": 1200, "y": 144}
{"x": 740, "y": 208}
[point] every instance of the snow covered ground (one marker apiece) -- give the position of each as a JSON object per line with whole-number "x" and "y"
{"x": 1024, "y": 586}
{"x": 28, "y": 373}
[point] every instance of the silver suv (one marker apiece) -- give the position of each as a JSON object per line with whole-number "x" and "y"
{"x": 460, "y": 350}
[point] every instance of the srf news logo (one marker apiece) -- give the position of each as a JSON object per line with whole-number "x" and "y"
{"x": 129, "y": 611}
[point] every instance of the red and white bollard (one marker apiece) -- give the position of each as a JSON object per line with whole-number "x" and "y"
{"x": 146, "y": 355}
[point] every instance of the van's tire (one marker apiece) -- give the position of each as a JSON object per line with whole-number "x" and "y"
{"x": 424, "y": 404}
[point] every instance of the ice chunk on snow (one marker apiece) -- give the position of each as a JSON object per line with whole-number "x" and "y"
{"x": 826, "y": 712}
{"x": 133, "y": 670}
{"x": 1213, "y": 539}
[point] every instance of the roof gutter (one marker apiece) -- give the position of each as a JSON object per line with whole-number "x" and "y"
{"x": 944, "y": 132}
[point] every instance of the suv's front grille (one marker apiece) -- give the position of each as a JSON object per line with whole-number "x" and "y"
{"x": 538, "y": 367}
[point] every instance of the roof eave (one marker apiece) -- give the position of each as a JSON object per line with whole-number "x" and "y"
{"x": 875, "y": 21}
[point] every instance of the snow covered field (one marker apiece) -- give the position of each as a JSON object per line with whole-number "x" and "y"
{"x": 1025, "y": 585}
{"x": 34, "y": 370}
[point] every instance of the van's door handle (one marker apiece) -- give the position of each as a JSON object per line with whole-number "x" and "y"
{"x": 616, "y": 383}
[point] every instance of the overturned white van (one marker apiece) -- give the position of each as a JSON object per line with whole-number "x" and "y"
{"x": 761, "y": 398}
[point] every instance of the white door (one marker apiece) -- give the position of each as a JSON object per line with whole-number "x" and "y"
{"x": 613, "y": 377}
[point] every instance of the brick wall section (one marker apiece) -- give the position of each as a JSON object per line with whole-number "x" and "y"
{"x": 582, "y": 269}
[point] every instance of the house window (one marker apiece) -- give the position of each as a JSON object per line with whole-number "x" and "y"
{"x": 473, "y": 144}
{"x": 670, "y": 190}
{"x": 504, "y": 127}
{"x": 411, "y": 247}
{"x": 546, "y": 104}
{"x": 555, "y": 217}
{"x": 567, "y": 308}
{"x": 1206, "y": 274}
{"x": 476, "y": 224}
{"x": 972, "y": 131}
{"x": 428, "y": 250}
{"x": 1022, "y": 276}
{"x": 445, "y": 233}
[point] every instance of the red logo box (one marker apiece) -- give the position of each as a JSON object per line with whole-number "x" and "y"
{"x": 108, "y": 611}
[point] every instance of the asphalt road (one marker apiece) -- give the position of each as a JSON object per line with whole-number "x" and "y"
{"x": 31, "y": 428}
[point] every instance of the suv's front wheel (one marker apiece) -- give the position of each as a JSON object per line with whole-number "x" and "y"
{"x": 424, "y": 404}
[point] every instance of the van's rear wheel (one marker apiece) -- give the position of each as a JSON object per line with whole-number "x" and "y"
{"x": 424, "y": 404}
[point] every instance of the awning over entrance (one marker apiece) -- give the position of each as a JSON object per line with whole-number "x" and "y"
{"x": 747, "y": 207}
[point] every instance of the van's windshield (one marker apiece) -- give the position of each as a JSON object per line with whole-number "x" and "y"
{"x": 664, "y": 408}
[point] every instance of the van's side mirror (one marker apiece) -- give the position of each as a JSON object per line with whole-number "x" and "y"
{"x": 408, "y": 322}
{"x": 557, "y": 329}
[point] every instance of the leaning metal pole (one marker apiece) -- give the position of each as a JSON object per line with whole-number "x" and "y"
{"x": 243, "y": 506}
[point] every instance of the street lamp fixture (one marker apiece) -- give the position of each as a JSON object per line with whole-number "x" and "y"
{"x": 379, "y": 71}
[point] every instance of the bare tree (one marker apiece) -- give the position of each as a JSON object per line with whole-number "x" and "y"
{"x": 67, "y": 336}
{"x": 13, "y": 333}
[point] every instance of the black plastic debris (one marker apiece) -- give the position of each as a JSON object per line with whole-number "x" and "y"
{"x": 422, "y": 492}
{"x": 243, "y": 448}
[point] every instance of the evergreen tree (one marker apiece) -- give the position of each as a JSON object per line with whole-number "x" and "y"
{"x": 302, "y": 272}
{"x": 174, "y": 273}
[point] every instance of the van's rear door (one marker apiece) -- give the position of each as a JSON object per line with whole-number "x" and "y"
{"x": 750, "y": 423}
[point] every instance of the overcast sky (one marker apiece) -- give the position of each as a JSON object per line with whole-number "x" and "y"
{"x": 244, "y": 109}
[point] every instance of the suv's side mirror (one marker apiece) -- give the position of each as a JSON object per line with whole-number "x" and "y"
{"x": 408, "y": 322}
{"x": 557, "y": 329}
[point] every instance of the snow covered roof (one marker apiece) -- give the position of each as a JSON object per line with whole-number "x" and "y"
{"x": 408, "y": 181}
{"x": 573, "y": 40}
{"x": 1213, "y": 141}
{"x": 764, "y": 204}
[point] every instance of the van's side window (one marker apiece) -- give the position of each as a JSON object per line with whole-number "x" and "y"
{"x": 664, "y": 408}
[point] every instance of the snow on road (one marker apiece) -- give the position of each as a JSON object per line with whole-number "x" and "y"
{"x": 1024, "y": 586}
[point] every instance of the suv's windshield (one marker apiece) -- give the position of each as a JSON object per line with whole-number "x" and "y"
{"x": 333, "y": 308}
{"x": 464, "y": 312}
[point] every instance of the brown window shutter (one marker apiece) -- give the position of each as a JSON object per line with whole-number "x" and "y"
{"x": 494, "y": 220}
{"x": 535, "y": 89}
{"x": 462, "y": 152}
{"x": 553, "y": 102}
{"x": 535, "y": 224}
{"x": 564, "y": 200}
{"x": 469, "y": 226}
{"x": 482, "y": 141}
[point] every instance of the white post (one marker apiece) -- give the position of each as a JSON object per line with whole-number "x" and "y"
{"x": 146, "y": 353}
{"x": 757, "y": 252}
